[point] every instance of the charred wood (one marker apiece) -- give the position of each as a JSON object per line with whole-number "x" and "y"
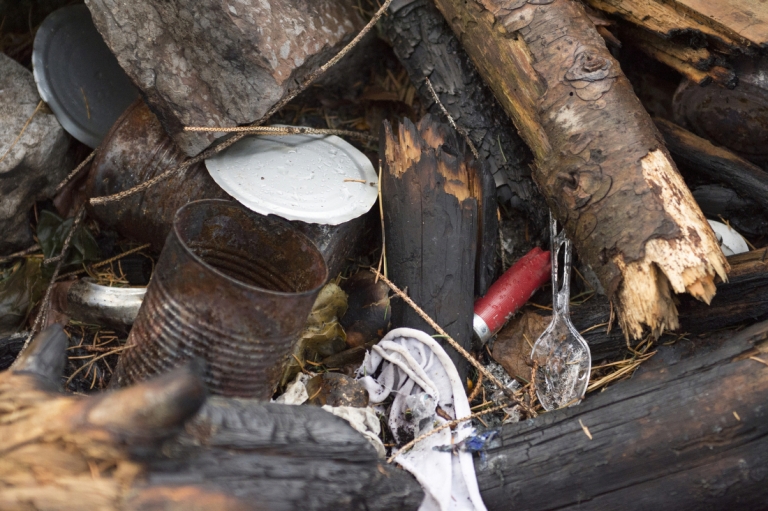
{"x": 433, "y": 196}
{"x": 688, "y": 436}
{"x": 152, "y": 446}
{"x": 716, "y": 163}
{"x": 427, "y": 48}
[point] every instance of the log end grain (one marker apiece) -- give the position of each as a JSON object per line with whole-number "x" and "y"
{"x": 686, "y": 263}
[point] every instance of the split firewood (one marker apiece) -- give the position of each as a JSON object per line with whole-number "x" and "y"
{"x": 729, "y": 27}
{"x": 742, "y": 299}
{"x": 687, "y": 436}
{"x": 217, "y": 64}
{"x": 427, "y": 48}
{"x": 600, "y": 162}
{"x": 438, "y": 227}
{"x": 159, "y": 445}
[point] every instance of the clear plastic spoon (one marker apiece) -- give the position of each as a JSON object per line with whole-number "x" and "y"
{"x": 561, "y": 354}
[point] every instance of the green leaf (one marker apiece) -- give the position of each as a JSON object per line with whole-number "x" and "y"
{"x": 18, "y": 294}
{"x": 51, "y": 233}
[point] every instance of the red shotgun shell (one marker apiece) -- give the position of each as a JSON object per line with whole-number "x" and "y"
{"x": 510, "y": 292}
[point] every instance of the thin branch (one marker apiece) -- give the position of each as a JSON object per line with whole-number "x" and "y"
{"x": 106, "y": 261}
{"x": 226, "y": 143}
{"x": 383, "y": 257}
{"x": 285, "y": 130}
{"x": 21, "y": 253}
{"x": 75, "y": 172}
{"x": 450, "y": 119}
{"x": 450, "y": 424}
{"x": 508, "y": 392}
{"x": 42, "y": 313}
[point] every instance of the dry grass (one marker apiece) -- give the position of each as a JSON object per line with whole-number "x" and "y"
{"x": 91, "y": 357}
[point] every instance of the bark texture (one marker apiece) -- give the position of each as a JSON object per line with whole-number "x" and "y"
{"x": 688, "y": 436}
{"x": 131, "y": 449}
{"x": 600, "y": 162}
{"x": 213, "y": 63}
{"x": 427, "y": 47}
{"x": 433, "y": 198}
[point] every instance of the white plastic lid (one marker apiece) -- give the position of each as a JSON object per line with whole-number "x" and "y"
{"x": 313, "y": 178}
{"x": 731, "y": 242}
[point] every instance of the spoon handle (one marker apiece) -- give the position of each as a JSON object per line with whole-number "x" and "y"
{"x": 561, "y": 285}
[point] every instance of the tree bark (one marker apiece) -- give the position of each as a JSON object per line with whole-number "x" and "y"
{"x": 688, "y": 436}
{"x": 600, "y": 162}
{"x": 434, "y": 228}
{"x": 427, "y": 48}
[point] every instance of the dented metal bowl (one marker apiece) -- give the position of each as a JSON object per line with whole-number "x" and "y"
{"x": 231, "y": 287}
{"x": 78, "y": 76}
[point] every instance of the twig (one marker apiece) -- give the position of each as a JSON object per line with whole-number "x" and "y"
{"x": 95, "y": 359}
{"x": 504, "y": 263}
{"x": 226, "y": 143}
{"x": 756, "y": 359}
{"x": 106, "y": 261}
{"x": 450, "y": 424}
{"x": 42, "y": 314}
{"x": 23, "y": 129}
{"x": 21, "y": 253}
{"x": 450, "y": 119}
{"x": 284, "y": 130}
{"x": 508, "y": 392}
{"x": 75, "y": 172}
{"x": 383, "y": 257}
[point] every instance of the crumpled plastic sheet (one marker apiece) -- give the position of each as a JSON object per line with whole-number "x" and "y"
{"x": 414, "y": 367}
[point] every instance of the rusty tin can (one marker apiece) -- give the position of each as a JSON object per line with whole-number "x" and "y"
{"x": 231, "y": 287}
{"x": 136, "y": 150}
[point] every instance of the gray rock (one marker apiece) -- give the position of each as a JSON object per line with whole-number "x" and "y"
{"x": 221, "y": 63}
{"x": 36, "y": 164}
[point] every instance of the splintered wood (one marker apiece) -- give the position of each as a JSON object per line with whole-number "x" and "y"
{"x": 600, "y": 162}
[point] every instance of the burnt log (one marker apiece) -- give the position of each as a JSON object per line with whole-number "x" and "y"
{"x": 600, "y": 162}
{"x": 436, "y": 228}
{"x": 716, "y": 163}
{"x": 426, "y": 46}
{"x": 160, "y": 445}
{"x": 688, "y": 436}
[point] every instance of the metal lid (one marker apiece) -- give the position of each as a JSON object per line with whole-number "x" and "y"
{"x": 312, "y": 178}
{"x": 78, "y": 76}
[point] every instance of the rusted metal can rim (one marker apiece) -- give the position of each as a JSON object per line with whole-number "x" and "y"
{"x": 302, "y": 244}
